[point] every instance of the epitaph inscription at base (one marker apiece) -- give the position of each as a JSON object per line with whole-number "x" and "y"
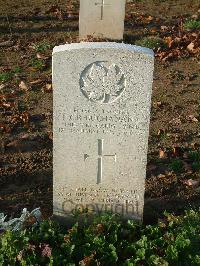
{"x": 102, "y": 99}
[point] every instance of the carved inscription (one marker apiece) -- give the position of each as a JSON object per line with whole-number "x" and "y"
{"x": 102, "y": 82}
{"x": 123, "y": 201}
{"x": 100, "y": 160}
{"x": 94, "y": 122}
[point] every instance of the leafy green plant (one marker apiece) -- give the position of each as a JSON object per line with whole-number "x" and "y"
{"x": 151, "y": 42}
{"x": 194, "y": 156}
{"x": 196, "y": 166}
{"x": 176, "y": 165}
{"x": 108, "y": 240}
{"x": 163, "y": 136}
{"x": 192, "y": 25}
{"x": 42, "y": 47}
{"x": 17, "y": 70}
{"x": 38, "y": 64}
{"x": 6, "y": 76}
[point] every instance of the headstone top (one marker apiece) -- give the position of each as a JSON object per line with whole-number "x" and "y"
{"x": 97, "y": 45}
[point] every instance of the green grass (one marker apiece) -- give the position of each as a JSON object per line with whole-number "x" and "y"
{"x": 107, "y": 241}
{"x": 176, "y": 165}
{"x": 42, "y": 47}
{"x": 196, "y": 166}
{"x": 192, "y": 25}
{"x": 163, "y": 136}
{"x": 38, "y": 64}
{"x": 6, "y": 76}
{"x": 194, "y": 156}
{"x": 22, "y": 106}
{"x": 151, "y": 42}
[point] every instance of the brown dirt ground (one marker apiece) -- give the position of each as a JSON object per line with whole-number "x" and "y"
{"x": 26, "y": 115}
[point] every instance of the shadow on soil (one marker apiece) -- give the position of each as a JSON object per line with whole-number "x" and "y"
{"x": 38, "y": 30}
{"x": 35, "y": 18}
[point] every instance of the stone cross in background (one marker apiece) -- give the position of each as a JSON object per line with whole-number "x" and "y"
{"x": 102, "y": 19}
{"x": 102, "y": 99}
{"x": 102, "y": 5}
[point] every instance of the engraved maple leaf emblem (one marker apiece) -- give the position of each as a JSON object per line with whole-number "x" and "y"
{"x": 102, "y": 83}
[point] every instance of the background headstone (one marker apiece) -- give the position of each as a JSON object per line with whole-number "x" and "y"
{"x": 102, "y": 99}
{"x": 102, "y": 19}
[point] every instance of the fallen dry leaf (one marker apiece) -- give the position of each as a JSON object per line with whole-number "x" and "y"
{"x": 21, "y": 117}
{"x": 193, "y": 118}
{"x": 157, "y": 104}
{"x": 25, "y": 117}
{"x": 177, "y": 151}
{"x": 50, "y": 135}
{"x": 40, "y": 56}
{"x": 169, "y": 41}
{"x": 161, "y": 154}
{"x": 22, "y": 145}
{"x": 25, "y": 136}
{"x": 52, "y": 9}
{"x": 190, "y": 46}
{"x": 23, "y": 86}
{"x": 149, "y": 18}
{"x": 161, "y": 176}
{"x": 47, "y": 88}
{"x": 160, "y": 132}
{"x": 13, "y": 143}
{"x": 37, "y": 81}
{"x": 56, "y": 10}
{"x": 87, "y": 260}
{"x": 191, "y": 182}
{"x": 153, "y": 31}
{"x": 7, "y": 105}
{"x": 2, "y": 86}
{"x": 164, "y": 28}
{"x": 179, "y": 44}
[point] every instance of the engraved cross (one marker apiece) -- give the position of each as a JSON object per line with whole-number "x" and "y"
{"x": 100, "y": 160}
{"x": 102, "y": 5}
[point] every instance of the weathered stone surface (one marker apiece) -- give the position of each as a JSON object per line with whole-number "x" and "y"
{"x": 102, "y": 99}
{"x": 102, "y": 19}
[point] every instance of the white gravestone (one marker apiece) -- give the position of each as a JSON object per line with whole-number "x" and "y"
{"x": 102, "y": 99}
{"x": 102, "y": 19}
